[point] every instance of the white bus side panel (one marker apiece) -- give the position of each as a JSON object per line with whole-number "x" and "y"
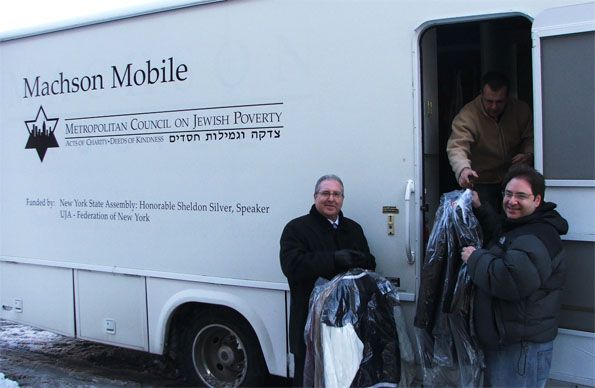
{"x": 38, "y": 296}
{"x": 111, "y": 309}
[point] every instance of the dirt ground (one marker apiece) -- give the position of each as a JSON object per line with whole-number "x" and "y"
{"x": 37, "y": 358}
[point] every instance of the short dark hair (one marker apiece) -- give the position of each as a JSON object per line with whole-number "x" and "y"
{"x": 495, "y": 81}
{"x": 529, "y": 174}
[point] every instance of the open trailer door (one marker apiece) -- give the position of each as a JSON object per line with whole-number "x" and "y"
{"x": 564, "y": 84}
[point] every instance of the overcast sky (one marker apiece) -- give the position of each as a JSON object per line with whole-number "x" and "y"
{"x": 26, "y": 14}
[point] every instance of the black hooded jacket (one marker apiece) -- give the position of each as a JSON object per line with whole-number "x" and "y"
{"x": 519, "y": 277}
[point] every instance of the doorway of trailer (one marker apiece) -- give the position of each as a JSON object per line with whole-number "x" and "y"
{"x": 453, "y": 55}
{"x": 453, "y": 58}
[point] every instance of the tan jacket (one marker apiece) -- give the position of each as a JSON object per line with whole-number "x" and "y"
{"x": 481, "y": 143}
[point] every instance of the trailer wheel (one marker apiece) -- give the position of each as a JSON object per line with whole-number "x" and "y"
{"x": 219, "y": 349}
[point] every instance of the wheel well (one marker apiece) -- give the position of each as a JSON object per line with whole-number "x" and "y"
{"x": 188, "y": 312}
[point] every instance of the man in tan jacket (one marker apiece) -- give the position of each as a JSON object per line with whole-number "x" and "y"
{"x": 490, "y": 133}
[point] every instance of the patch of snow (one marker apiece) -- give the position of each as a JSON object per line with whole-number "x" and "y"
{"x": 7, "y": 383}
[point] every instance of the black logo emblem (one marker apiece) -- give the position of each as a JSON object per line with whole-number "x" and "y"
{"x": 41, "y": 133}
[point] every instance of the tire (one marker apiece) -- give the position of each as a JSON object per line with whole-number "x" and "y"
{"x": 219, "y": 349}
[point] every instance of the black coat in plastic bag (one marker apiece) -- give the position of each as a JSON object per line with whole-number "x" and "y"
{"x": 351, "y": 335}
{"x": 448, "y": 349}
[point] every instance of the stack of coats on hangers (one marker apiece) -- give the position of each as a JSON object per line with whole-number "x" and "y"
{"x": 351, "y": 334}
{"x": 449, "y": 351}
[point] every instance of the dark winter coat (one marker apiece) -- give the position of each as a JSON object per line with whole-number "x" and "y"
{"x": 520, "y": 277}
{"x": 366, "y": 301}
{"x": 443, "y": 313}
{"x": 452, "y": 230}
{"x": 308, "y": 244}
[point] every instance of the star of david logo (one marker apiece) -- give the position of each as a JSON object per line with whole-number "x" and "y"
{"x": 41, "y": 133}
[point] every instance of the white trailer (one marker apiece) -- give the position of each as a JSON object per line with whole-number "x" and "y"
{"x": 149, "y": 160}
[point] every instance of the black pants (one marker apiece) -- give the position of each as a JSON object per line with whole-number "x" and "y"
{"x": 298, "y": 375}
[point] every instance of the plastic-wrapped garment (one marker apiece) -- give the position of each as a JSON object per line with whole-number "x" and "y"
{"x": 408, "y": 368}
{"x": 358, "y": 302}
{"x": 446, "y": 343}
{"x": 343, "y": 353}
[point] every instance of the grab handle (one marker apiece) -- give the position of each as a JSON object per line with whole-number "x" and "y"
{"x": 408, "y": 191}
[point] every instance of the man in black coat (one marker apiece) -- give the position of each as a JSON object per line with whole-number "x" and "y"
{"x": 519, "y": 279}
{"x": 322, "y": 243}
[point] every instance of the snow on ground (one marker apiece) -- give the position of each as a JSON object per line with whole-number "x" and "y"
{"x": 15, "y": 335}
{"x": 7, "y": 383}
{"x": 38, "y": 358}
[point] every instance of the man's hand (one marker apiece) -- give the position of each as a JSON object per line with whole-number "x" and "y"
{"x": 348, "y": 258}
{"x": 475, "y": 201}
{"x": 466, "y": 178}
{"x": 466, "y": 252}
{"x": 522, "y": 158}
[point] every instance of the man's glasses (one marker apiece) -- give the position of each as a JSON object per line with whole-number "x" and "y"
{"x": 520, "y": 196}
{"x": 328, "y": 194}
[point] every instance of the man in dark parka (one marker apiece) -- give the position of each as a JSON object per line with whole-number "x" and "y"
{"x": 322, "y": 243}
{"x": 519, "y": 277}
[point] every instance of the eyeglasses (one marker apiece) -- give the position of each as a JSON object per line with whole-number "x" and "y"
{"x": 328, "y": 194}
{"x": 518, "y": 196}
